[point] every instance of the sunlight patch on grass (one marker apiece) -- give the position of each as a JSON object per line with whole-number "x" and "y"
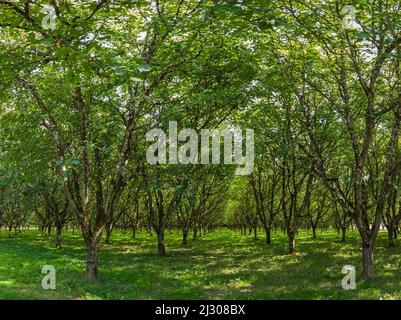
{"x": 6, "y": 282}
{"x": 239, "y": 283}
{"x": 231, "y": 270}
{"x": 221, "y": 265}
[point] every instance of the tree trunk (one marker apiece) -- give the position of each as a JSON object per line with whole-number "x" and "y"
{"x": 367, "y": 260}
{"x": 109, "y": 230}
{"x": 49, "y": 231}
{"x": 133, "y": 232}
{"x": 58, "y": 236}
{"x": 268, "y": 236}
{"x": 92, "y": 258}
{"x": 184, "y": 236}
{"x": 313, "y": 233}
{"x": 343, "y": 234}
{"x": 195, "y": 233}
{"x": 291, "y": 243}
{"x": 255, "y": 231}
{"x": 161, "y": 249}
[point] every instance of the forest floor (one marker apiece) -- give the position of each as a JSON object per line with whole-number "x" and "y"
{"x": 221, "y": 265}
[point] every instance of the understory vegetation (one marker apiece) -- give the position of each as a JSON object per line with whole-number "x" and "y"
{"x": 221, "y": 265}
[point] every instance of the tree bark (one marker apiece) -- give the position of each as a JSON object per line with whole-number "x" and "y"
{"x": 391, "y": 236}
{"x": 48, "y": 232}
{"x": 367, "y": 260}
{"x": 133, "y": 232}
{"x": 343, "y": 234}
{"x": 291, "y": 244}
{"x": 268, "y": 236}
{"x": 92, "y": 258}
{"x": 184, "y": 236}
{"x": 161, "y": 249}
{"x": 109, "y": 230}
{"x": 58, "y": 236}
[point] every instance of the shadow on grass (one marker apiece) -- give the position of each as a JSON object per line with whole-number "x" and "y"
{"x": 221, "y": 265}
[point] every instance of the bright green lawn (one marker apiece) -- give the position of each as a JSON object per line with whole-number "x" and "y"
{"x": 222, "y": 265}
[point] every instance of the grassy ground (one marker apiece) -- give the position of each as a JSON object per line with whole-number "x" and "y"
{"x": 222, "y": 265}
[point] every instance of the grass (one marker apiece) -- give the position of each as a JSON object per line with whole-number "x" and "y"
{"x": 222, "y": 265}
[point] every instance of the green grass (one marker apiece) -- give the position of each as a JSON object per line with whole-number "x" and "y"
{"x": 222, "y": 265}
